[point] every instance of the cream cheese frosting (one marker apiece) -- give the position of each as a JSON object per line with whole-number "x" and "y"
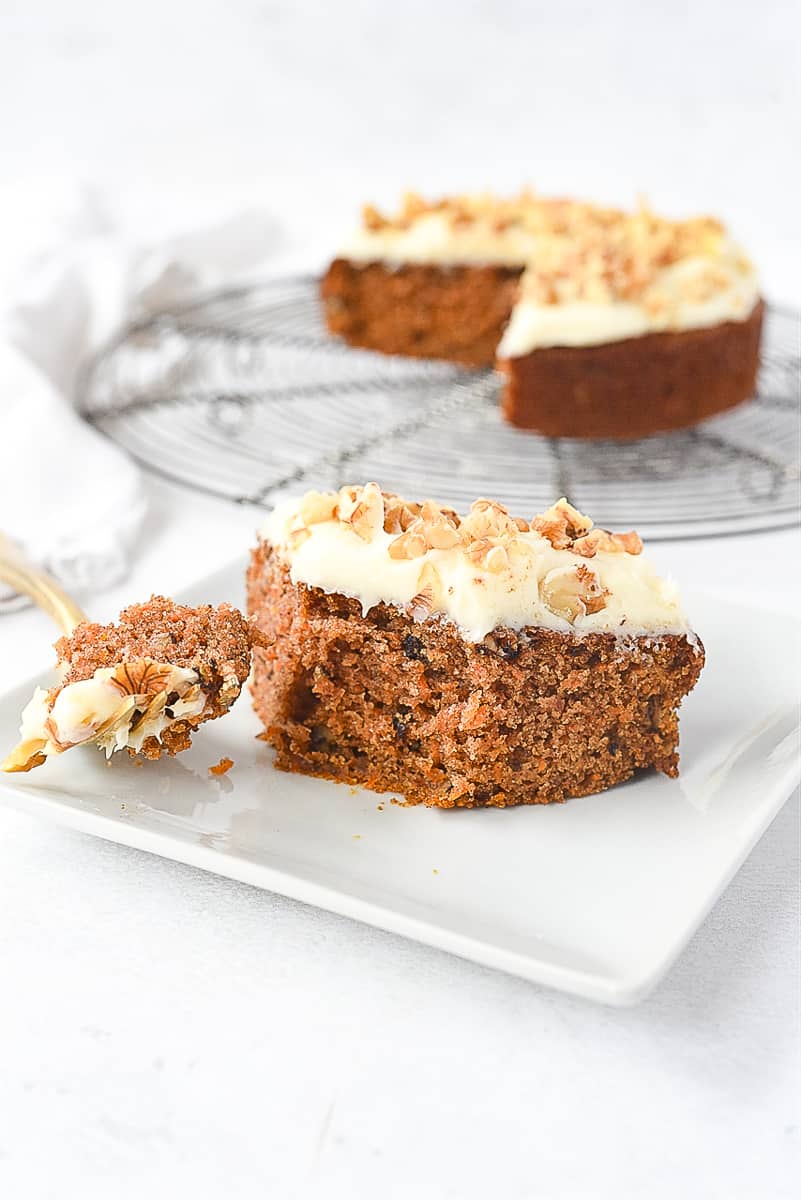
{"x": 483, "y": 571}
{"x": 589, "y": 275}
{"x": 695, "y": 293}
{"x": 117, "y": 708}
{"x": 433, "y": 239}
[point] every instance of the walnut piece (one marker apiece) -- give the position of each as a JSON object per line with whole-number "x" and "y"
{"x": 489, "y": 553}
{"x": 398, "y": 513}
{"x": 610, "y": 543}
{"x": 572, "y": 592}
{"x": 487, "y": 518}
{"x": 568, "y": 529}
{"x": 316, "y": 507}
{"x": 561, "y": 524}
{"x": 429, "y": 593}
{"x": 438, "y": 527}
{"x": 411, "y": 544}
{"x": 362, "y": 509}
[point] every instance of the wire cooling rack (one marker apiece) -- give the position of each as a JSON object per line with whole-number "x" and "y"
{"x": 244, "y": 395}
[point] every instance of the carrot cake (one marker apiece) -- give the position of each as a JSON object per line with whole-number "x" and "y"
{"x": 604, "y": 323}
{"x": 464, "y": 661}
{"x": 142, "y": 685}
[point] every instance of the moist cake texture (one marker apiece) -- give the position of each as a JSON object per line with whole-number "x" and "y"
{"x": 599, "y": 318}
{"x": 143, "y": 684}
{"x": 464, "y": 661}
{"x": 420, "y": 309}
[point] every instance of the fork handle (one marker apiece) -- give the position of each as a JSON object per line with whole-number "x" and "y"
{"x": 23, "y": 577}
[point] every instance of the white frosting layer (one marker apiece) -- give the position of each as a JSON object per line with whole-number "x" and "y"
{"x": 668, "y": 305}
{"x": 533, "y": 589}
{"x": 433, "y": 238}
{"x": 97, "y": 710}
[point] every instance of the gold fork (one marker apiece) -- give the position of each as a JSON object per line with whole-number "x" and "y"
{"x": 29, "y": 580}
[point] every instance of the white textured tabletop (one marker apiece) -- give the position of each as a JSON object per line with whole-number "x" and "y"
{"x": 164, "y": 1032}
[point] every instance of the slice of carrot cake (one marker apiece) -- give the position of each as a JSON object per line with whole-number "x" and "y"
{"x": 463, "y": 661}
{"x": 604, "y": 323}
{"x": 142, "y": 685}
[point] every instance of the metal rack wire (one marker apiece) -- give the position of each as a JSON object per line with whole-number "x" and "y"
{"x": 244, "y": 395}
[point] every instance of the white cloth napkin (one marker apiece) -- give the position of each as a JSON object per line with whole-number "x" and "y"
{"x": 70, "y": 276}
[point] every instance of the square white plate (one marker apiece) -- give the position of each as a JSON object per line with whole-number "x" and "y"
{"x": 596, "y": 896}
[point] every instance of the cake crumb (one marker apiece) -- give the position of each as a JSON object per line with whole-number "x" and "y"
{"x": 222, "y": 767}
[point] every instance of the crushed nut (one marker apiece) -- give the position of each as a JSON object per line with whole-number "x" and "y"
{"x": 421, "y": 604}
{"x": 584, "y": 251}
{"x": 561, "y": 524}
{"x": 411, "y": 544}
{"x": 367, "y": 516}
{"x": 373, "y": 219}
{"x": 489, "y": 553}
{"x": 298, "y": 533}
{"x": 316, "y": 507}
{"x": 429, "y": 592}
{"x": 141, "y": 677}
{"x": 610, "y": 543}
{"x": 572, "y": 592}
{"x": 496, "y": 559}
{"x": 438, "y": 527}
{"x": 488, "y": 519}
{"x": 347, "y": 499}
{"x": 398, "y": 513}
{"x": 489, "y": 538}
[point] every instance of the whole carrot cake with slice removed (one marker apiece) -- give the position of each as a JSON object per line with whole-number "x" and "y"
{"x": 464, "y": 660}
{"x": 605, "y": 323}
{"x": 144, "y": 684}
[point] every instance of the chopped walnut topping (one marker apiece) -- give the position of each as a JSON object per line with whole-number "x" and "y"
{"x": 610, "y": 543}
{"x": 421, "y": 604}
{"x": 413, "y": 206}
{"x": 568, "y": 529}
{"x": 489, "y": 553}
{"x": 411, "y": 544}
{"x": 488, "y": 519}
{"x": 488, "y": 538}
{"x": 373, "y": 219}
{"x": 593, "y": 596}
{"x": 434, "y": 528}
{"x": 429, "y": 526}
{"x": 438, "y": 526}
{"x": 562, "y": 524}
{"x": 316, "y": 507}
{"x": 141, "y": 677}
{"x": 398, "y": 513}
{"x": 298, "y": 533}
{"x": 583, "y": 251}
{"x": 428, "y": 595}
{"x": 572, "y": 592}
{"x": 367, "y": 516}
{"x": 346, "y": 500}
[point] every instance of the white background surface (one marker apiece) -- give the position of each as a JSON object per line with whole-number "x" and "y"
{"x": 167, "y": 1033}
